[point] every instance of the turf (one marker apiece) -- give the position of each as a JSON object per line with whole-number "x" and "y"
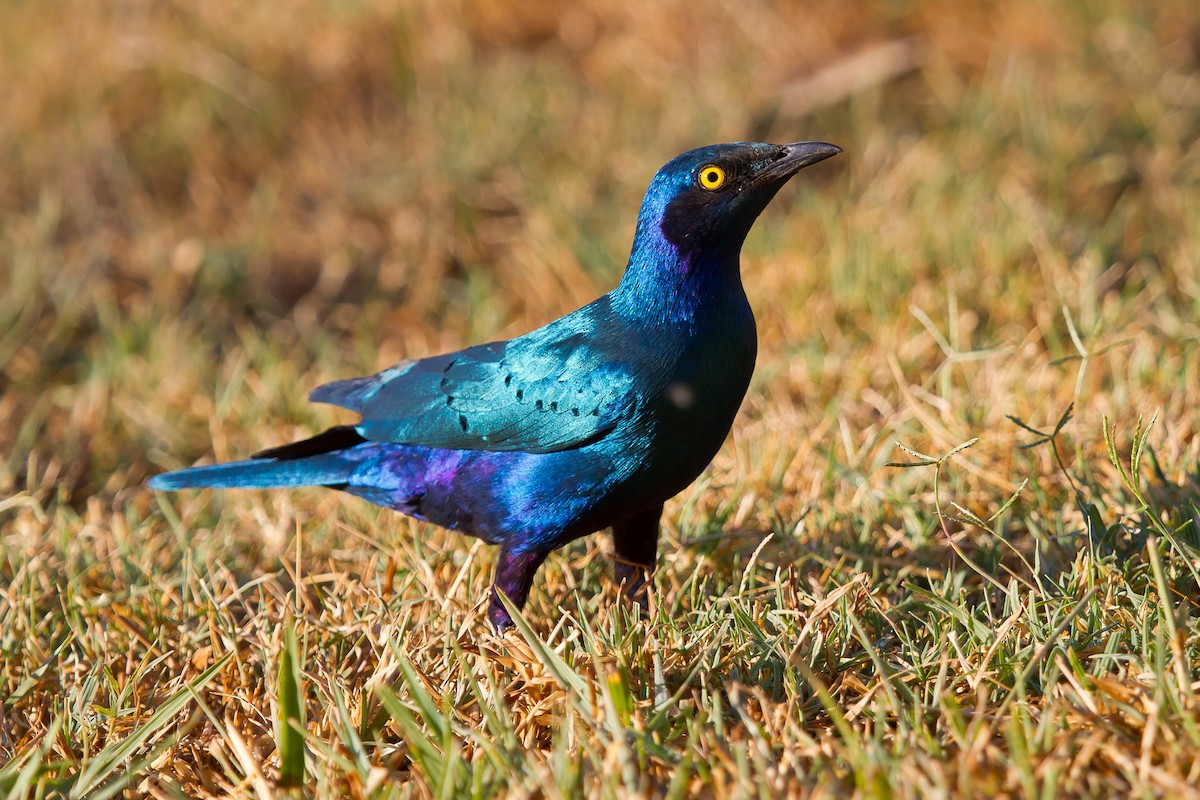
{"x": 952, "y": 547}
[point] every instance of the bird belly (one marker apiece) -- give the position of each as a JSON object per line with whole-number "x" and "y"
{"x": 500, "y": 497}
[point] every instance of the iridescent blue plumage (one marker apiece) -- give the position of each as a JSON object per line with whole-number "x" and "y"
{"x": 591, "y": 421}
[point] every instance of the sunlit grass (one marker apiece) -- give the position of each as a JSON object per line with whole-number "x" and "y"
{"x": 208, "y": 211}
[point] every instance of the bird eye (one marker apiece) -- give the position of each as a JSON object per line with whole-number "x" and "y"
{"x": 712, "y": 177}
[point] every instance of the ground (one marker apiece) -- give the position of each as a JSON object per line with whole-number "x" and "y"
{"x": 951, "y": 548}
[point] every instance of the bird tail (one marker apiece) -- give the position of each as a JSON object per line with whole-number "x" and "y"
{"x": 318, "y": 461}
{"x": 327, "y": 470}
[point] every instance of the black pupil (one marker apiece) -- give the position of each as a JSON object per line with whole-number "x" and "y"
{"x": 711, "y": 176}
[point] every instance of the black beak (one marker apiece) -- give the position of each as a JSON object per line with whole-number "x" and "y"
{"x": 794, "y": 158}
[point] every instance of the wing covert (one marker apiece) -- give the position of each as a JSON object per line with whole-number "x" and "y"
{"x": 497, "y": 396}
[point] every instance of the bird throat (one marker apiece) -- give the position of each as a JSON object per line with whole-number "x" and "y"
{"x": 678, "y": 281}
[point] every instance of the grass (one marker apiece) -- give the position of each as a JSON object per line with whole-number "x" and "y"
{"x": 207, "y": 211}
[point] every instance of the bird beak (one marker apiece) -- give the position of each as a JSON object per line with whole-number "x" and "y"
{"x": 794, "y": 158}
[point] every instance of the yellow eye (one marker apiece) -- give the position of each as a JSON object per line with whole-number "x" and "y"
{"x": 712, "y": 177}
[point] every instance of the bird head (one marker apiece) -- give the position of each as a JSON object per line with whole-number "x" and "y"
{"x": 705, "y": 200}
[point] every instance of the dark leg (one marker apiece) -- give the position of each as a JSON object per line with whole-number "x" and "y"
{"x": 635, "y": 546}
{"x": 514, "y": 576}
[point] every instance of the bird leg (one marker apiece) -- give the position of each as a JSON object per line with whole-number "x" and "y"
{"x": 635, "y": 547}
{"x": 514, "y": 575}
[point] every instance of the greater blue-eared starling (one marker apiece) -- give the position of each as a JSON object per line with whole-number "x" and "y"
{"x": 589, "y": 422}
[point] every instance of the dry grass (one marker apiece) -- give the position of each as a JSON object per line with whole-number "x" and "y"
{"x": 208, "y": 209}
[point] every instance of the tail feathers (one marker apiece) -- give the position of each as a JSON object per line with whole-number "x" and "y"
{"x": 326, "y": 470}
{"x": 341, "y": 437}
{"x": 313, "y": 462}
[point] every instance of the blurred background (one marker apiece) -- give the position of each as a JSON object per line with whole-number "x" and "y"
{"x": 207, "y": 209}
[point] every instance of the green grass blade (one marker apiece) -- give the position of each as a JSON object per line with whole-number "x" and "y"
{"x": 289, "y": 727}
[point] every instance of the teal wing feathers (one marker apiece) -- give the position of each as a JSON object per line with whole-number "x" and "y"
{"x": 526, "y": 394}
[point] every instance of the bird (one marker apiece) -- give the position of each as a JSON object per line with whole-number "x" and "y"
{"x": 592, "y": 421}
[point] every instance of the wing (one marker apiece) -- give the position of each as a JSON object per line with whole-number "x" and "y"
{"x": 526, "y": 394}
